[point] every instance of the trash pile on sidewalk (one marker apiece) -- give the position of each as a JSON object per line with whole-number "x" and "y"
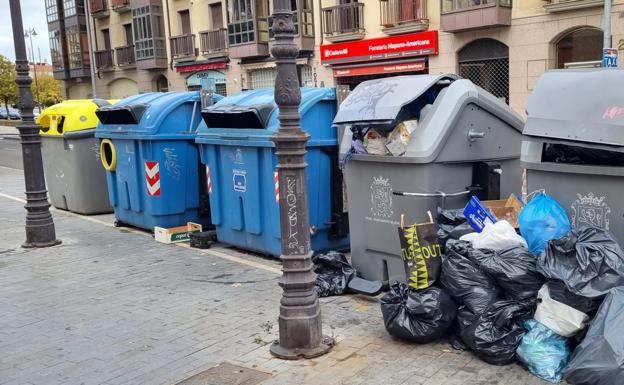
{"x": 537, "y": 291}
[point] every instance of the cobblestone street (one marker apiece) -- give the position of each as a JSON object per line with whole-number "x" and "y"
{"x": 112, "y": 306}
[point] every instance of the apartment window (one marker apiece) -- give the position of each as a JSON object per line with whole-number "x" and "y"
{"x": 582, "y": 45}
{"x": 216, "y": 15}
{"x": 51, "y": 10}
{"x": 262, "y": 78}
{"x": 148, "y": 30}
{"x": 185, "y": 22}
{"x": 128, "y": 33}
{"x": 306, "y": 15}
{"x": 73, "y": 7}
{"x": 56, "y": 50}
{"x": 461, "y": 5}
{"x": 78, "y": 53}
{"x": 486, "y": 63}
{"x": 241, "y": 23}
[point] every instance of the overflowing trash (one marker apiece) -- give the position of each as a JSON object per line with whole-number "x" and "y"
{"x": 544, "y": 352}
{"x": 599, "y": 359}
{"x": 588, "y": 260}
{"x": 507, "y": 297}
{"x": 333, "y": 273}
{"x": 541, "y": 220}
{"x": 417, "y": 316}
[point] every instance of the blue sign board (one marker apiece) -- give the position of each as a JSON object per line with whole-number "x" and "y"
{"x": 609, "y": 58}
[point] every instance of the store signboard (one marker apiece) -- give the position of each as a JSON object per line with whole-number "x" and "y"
{"x": 379, "y": 69}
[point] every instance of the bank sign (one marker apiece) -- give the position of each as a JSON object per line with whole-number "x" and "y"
{"x": 393, "y": 47}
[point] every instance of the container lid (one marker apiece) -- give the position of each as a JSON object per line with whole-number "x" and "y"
{"x": 167, "y": 115}
{"x": 381, "y": 100}
{"x": 255, "y": 112}
{"x": 578, "y": 105}
{"x": 70, "y": 115}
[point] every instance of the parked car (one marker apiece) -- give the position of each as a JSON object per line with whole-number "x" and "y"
{"x": 13, "y": 114}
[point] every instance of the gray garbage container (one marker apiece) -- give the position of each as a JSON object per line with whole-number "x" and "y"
{"x": 573, "y": 145}
{"x": 465, "y": 137}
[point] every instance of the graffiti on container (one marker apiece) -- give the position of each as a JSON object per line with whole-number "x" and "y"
{"x": 96, "y": 150}
{"x": 590, "y": 210}
{"x": 381, "y": 197}
{"x": 171, "y": 163}
{"x": 369, "y": 96}
{"x": 613, "y": 113}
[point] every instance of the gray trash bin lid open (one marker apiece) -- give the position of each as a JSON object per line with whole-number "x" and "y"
{"x": 381, "y": 100}
{"x": 578, "y": 105}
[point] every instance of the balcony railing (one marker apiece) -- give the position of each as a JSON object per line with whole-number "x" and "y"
{"x": 344, "y": 22}
{"x": 103, "y": 59}
{"x": 569, "y": 5}
{"x": 403, "y": 16}
{"x": 125, "y": 56}
{"x": 213, "y": 41}
{"x": 464, "y": 15}
{"x": 120, "y": 5}
{"x": 99, "y": 8}
{"x": 183, "y": 46}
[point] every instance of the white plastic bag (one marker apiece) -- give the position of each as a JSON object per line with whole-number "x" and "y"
{"x": 400, "y": 136}
{"x": 495, "y": 236}
{"x": 374, "y": 143}
{"x": 559, "y": 317}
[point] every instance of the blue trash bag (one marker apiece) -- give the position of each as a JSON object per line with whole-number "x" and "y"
{"x": 541, "y": 220}
{"x": 544, "y": 352}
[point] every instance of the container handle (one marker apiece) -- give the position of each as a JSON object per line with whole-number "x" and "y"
{"x": 437, "y": 194}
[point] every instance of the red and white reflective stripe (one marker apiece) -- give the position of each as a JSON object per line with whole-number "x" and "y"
{"x": 276, "y": 185}
{"x": 208, "y": 179}
{"x": 152, "y": 178}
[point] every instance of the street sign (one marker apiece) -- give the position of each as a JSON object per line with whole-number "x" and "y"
{"x": 609, "y": 58}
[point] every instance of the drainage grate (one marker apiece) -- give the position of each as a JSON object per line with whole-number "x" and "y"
{"x": 227, "y": 374}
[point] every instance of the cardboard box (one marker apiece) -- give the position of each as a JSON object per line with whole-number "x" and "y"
{"x": 507, "y": 209}
{"x": 176, "y": 234}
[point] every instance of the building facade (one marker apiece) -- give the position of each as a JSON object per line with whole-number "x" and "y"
{"x": 160, "y": 45}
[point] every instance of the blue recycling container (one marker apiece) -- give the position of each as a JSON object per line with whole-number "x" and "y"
{"x": 152, "y": 163}
{"x": 238, "y": 152}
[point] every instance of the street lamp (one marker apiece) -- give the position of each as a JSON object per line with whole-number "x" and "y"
{"x": 29, "y": 34}
{"x": 300, "y": 327}
{"x": 39, "y": 224}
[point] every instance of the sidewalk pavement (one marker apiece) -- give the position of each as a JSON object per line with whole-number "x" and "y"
{"x": 111, "y": 306}
{"x": 9, "y": 132}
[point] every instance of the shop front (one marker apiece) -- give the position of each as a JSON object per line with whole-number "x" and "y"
{"x": 355, "y": 62}
{"x": 213, "y": 72}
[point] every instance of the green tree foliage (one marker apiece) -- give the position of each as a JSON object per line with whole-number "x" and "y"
{"x": 49, "y": 91}
{"x": 8, "y": 87}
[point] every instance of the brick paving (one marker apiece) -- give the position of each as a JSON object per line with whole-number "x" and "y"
{"x": 112, "y": 306}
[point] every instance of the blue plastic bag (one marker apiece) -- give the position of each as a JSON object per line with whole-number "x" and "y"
{"x": 544, "y": 352}
{"x": 541, "y": 220}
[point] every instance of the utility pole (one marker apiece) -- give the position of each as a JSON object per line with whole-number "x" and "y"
{"x": 300, "y": 327}
{"x": 40, "y": 230}
{"x": 90, "y": 47}
{"x": 30, "y": 32}
{"x": 607, "y": 25}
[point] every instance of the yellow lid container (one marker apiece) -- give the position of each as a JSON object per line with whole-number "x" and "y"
{"x": 70, "y": 115}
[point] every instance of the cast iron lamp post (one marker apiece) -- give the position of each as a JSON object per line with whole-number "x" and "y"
{"x": 39, "y": 224}
{"x": 300, "y": 330}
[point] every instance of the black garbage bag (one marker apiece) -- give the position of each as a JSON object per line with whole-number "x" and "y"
{"x": 333, "y": 273}
{"x": 417, "y": 316}
{"x": 562, "y": 153}
{"x": 464, "y": 319}
{"x": 588, "y": 260}
{"x": 599, "y": 359}
{"x": 452, "y": 224}
{"x": 560, "y": 293}
{"x": 513, "y": 268}
{"x": 495, "y": 335}
{"x": 464, "y": 281}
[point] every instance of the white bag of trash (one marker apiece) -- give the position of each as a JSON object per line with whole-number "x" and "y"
{"x": 495, "y": 236}
{"x": 374, "y": 143}
{"x": 399, "y": 137}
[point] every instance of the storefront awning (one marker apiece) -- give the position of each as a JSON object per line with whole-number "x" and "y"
{"x": 385, "y": 67}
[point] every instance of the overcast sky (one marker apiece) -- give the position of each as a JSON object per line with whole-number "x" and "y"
{"x": 33, "y": 16}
